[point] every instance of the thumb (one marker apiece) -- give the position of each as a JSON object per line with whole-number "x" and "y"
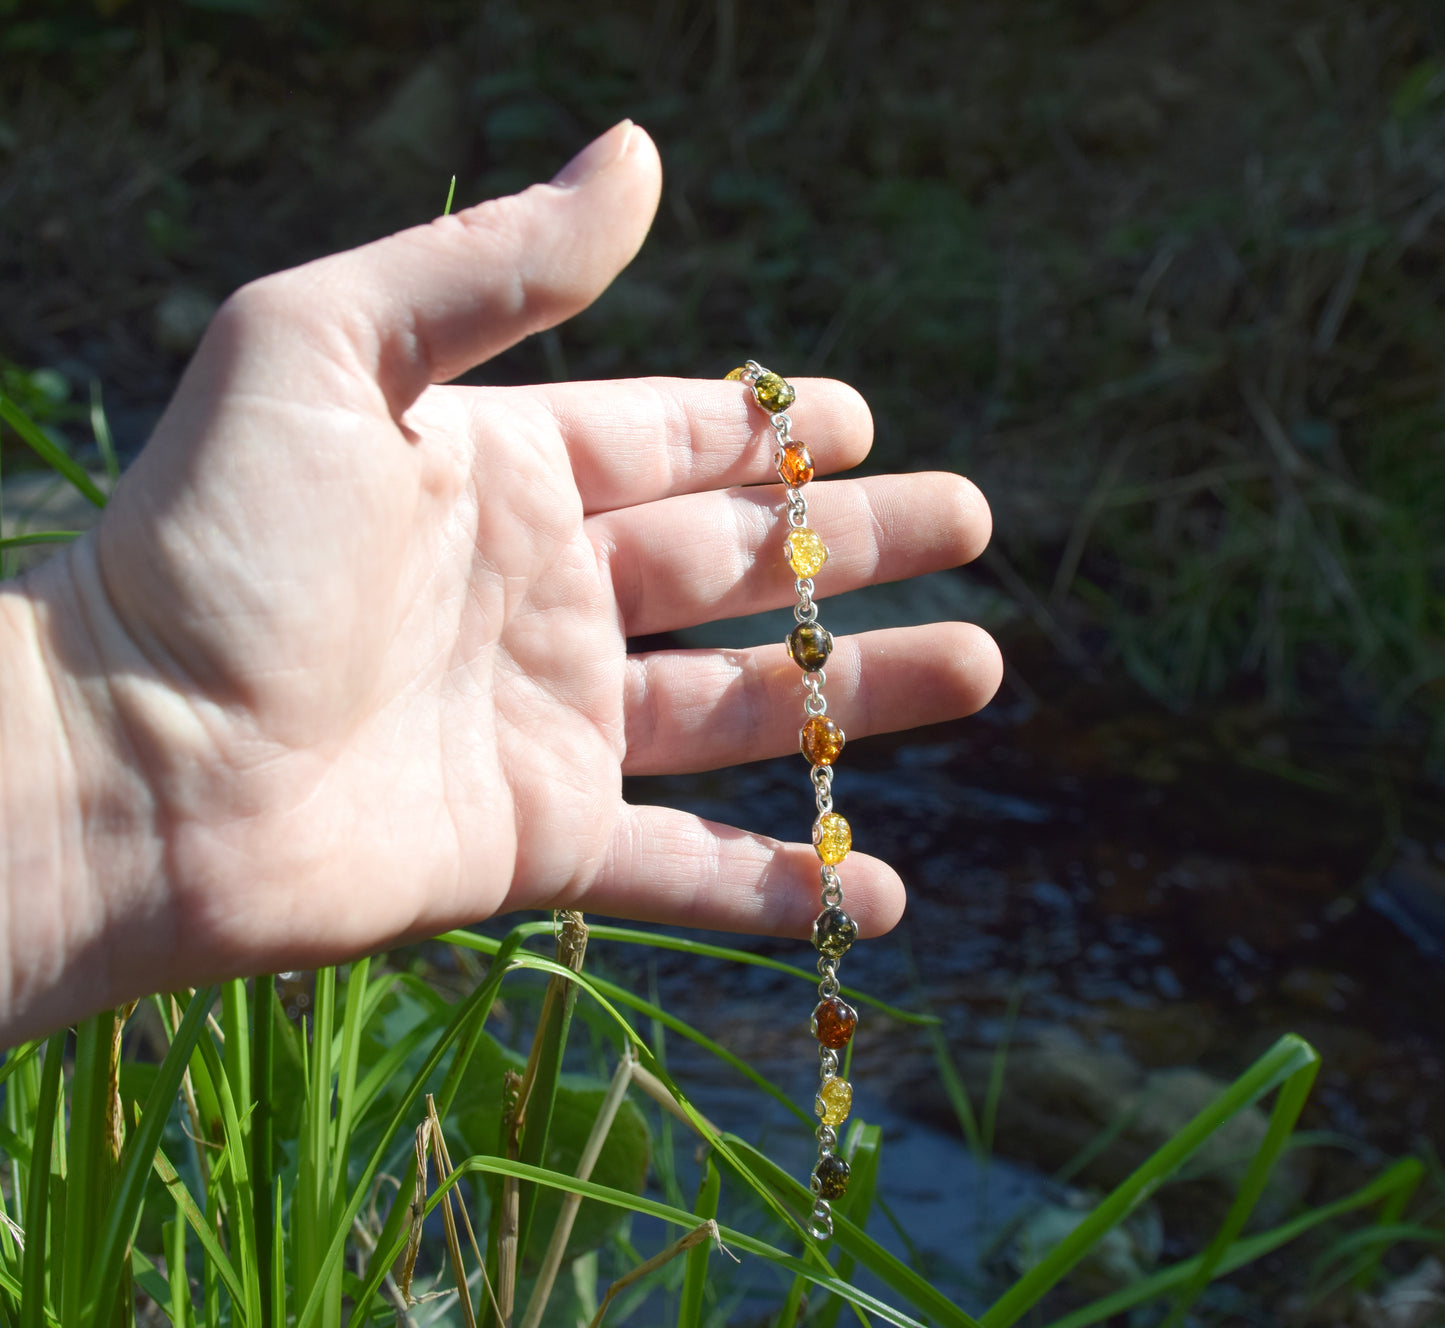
{"x": 425, "y": 305}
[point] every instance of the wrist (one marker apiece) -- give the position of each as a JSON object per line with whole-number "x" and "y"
{"x": 79, "y": 858}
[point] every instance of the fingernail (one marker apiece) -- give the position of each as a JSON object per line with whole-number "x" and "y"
{"x": 596, "y": 157}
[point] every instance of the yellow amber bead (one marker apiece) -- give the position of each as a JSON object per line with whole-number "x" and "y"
{"x": 835, "y": 1100}
{"x": 832, "y": 837}
{"x": 805, "y": 551}
{"x": 774, "y": 392}
{"x": 736, "y": 375}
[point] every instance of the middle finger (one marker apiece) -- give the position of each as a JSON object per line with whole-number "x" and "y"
{"x": 698, "y": 557}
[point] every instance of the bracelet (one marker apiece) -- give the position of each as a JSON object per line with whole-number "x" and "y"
{"x": 821, "y": 742}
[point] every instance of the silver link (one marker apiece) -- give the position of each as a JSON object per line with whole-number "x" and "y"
{"x": 827, "y": 1062}
{"x": 822, "y": 776}
{"x": 832, "y": 888}
{"x": 828, "y": 969}
{"x": 820, "y": 1226}
{"x": 805, "y": 611}
{"x": 827, "y": 1140}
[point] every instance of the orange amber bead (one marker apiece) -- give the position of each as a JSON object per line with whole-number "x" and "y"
{"x": 833, "y": 1023}
{"x": 795, "y": 465}
{"x": 820, "y": 740}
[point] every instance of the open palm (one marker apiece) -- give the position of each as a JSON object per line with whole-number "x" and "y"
{"x": 363, "y": 639}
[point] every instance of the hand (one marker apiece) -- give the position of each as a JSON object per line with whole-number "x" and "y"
{"x": 345, "y": 662}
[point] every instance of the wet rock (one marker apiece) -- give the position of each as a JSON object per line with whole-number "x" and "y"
{"x": 1411, "y": 893}
{"x": 1165, "y": 1034}
{"x": 1411, "y": 1301}
{"x": 1120, "y": 1259}
{"x": 1061, "y": 1094}
{"x": 1318, "y": 989}
{"x": 181, "y": 318}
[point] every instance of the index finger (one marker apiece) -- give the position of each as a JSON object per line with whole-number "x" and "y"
{"x": 634, "y": 440}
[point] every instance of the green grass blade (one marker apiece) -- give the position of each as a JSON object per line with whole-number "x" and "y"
{"x": 278, "y": 1263}
{"x": 33, "y": 1306}
{"x": 100, "y": 427}
{"x": 91, "y": 1166}
{"x": 957, "y": 1094}
{"x": 887, "y": 1268}
{"x": 140, "y": 1148}
{"x": 820, "y": 1275}
{"x": 621, "y": 996}
{"x": 509, "y": 956}
{"x": 451, "y": 194}
{"x": 386, "y": 1067}
{"x": 147, "y": 1276}
{"x": 46, "y": 449}
{"x": 694, "y": 1279}
{"x": 263, "y": 1068}
{"x": 470, "y": 1014}
{"x": 18, "y": 1056}
{"x": 236, "y": 1181}
{"x": 236, "y": 1024}
{"x": 39, "y": 537}
{"x": 311, "y": 1209}
{"x": 361, "y": 1000}
{"x": 681, "y": 944}
{"x": 1405, "y": 1174}
{"x": 596, "y": 990}
{"x": 217, "y": 1261}
{"x": 996, "y": 1069}
{"x": 1285, "y": 1059}
{"x": 175, "y": 1242}
{"x": 1288, "y": 1105}
{"x": 551, "y": 1045}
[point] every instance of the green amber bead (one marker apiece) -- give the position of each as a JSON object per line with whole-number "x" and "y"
{"x": 774, "y": 392}
{"x": 809, "y": 645}
{"x": 831, "y": 1174}
{"x": 834, "y": 933}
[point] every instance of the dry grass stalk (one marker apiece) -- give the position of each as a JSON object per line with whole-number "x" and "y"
{"x": 514, "y": 1108}
{"x": 704, "y": 1231}
{"x": 660, "y": 1093}
{"x": 562, "y": 1231}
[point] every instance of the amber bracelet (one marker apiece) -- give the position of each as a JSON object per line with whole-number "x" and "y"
{"x": 821, "y": 742}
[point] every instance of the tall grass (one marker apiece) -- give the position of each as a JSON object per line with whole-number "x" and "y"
{"x": 117, "y": 1193}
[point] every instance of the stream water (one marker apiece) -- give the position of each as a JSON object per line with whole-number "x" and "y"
{"x": 1089, "y": 873}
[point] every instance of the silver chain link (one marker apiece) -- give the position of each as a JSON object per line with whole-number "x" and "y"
{"x": 820, "y": 1225}
{"x": 823, "y": 788}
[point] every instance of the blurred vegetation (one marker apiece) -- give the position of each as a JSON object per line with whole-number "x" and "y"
{"x": 1164, "y": 279}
